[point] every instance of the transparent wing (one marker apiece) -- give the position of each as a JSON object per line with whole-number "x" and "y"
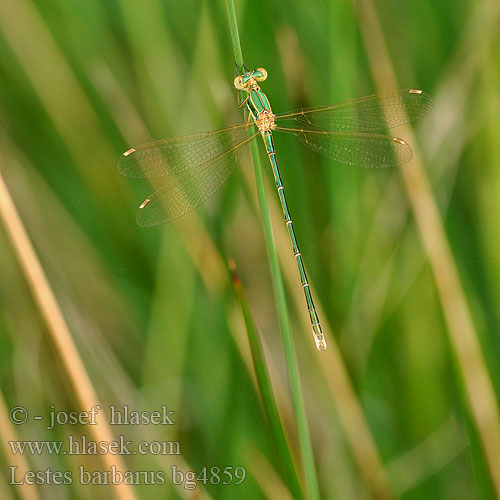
{"x": 361, "y": 150}
{"x": 191, "y": 188}
{"x": 179, "y": 154}
{"x": 367, "y": 114}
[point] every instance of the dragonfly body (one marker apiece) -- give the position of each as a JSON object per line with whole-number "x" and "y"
{"x": 201, "y": 163}
{"x": 261, "y": 112}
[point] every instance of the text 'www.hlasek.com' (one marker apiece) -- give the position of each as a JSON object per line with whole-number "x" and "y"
{"x": 164, "y": 457}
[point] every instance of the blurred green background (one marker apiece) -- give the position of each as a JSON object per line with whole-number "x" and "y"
{"x": 153, "y": 313}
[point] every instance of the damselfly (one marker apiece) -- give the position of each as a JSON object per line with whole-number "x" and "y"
{"x": 201, "y": 163}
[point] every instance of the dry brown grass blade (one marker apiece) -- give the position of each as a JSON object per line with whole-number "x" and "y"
{"x": 354, "y": 424}
{"x": 124, "y": 388}
{"x": 200, "y": 246}
{"x": 356, "y": 429}
{"x": 25, "y": 491}
{"x": 60, "y": 334}
{"x": 463, "y": 336}
{"x": 266, "y": 477}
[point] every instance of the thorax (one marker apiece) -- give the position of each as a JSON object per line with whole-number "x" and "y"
{"x": 260, "y": 109}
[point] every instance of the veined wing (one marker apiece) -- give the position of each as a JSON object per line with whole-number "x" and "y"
{"x": 191, "y": 188}
{"x": 179, "y": 154}
{"x": 367, "y": 114}
{"x": 361, "y": 150}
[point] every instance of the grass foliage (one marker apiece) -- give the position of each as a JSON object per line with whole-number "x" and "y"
{"x": 397, "y": 408}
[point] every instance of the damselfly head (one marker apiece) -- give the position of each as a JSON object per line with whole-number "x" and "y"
{"x": 238, "y": 83}
{"x": 260, "y": 74}
{"x": 242, "y": 82}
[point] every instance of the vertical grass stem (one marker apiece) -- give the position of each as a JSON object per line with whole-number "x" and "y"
{"x": 280, "y": 297}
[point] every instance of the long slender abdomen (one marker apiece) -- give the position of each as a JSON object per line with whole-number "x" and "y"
{"x": 313, "y": 316}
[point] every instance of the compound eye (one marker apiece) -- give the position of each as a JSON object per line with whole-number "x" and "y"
{"x": 264, "y": 74}
{"x": 238, "y": 83}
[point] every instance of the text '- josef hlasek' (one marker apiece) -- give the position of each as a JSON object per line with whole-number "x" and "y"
{"x": 116, "y": 415}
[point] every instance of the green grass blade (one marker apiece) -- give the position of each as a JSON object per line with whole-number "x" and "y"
{"x": 235, "y": 36}
{"x": 265, "y": 390}
{"x": 464, "y": 337}
{"x": 279, "y": 293}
